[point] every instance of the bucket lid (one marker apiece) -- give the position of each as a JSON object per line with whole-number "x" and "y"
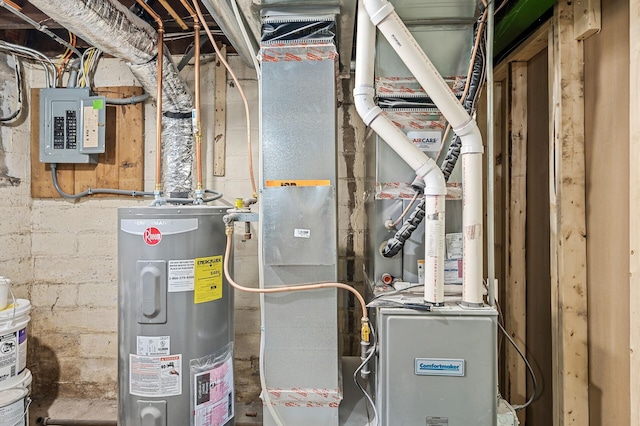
{"x": 9, "y": 396}
{"x": 23, "y": 306}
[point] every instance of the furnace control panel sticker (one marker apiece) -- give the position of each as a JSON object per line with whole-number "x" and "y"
{"x": 208, "y": 279}
{"x": 156, "y": 376}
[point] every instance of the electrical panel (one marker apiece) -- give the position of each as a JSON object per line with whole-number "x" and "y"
{"x": 72, "y": 125}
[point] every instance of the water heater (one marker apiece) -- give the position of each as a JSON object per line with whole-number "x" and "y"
{"x": 175, "y": 325}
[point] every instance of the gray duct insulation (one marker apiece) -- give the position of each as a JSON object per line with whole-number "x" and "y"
{"x": 111, "y": 27}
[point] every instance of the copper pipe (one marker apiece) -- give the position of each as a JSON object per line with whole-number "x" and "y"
{"x": 156, "y": 18}
{"x": 198, "y": 132}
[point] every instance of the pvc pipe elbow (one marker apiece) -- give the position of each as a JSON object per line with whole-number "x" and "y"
{"x": 367, "y": 109}
{"x": 434, "y": 183}
{"x": 470, "y": 138}
{"x": 378, "y": 10}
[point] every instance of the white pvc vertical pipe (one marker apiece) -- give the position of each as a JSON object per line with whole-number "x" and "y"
{"x": 435, "y": 186}
{"x": 391, "y": 26}
{"x": 491, "y": 248}
{"x": 472, "y": 229}
{"x": 434, "y": 249}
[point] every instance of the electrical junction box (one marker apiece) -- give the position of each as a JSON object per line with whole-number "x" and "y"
{"x": 506, "y": 414}
{"x": 72, "y": 125}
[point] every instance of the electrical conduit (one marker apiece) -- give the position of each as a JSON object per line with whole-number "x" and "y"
{"x": 435, "y": 187}
{"x": 383, "y": 16}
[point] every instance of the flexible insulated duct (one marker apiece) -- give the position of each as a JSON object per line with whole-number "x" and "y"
{"x": 97, "y": 21}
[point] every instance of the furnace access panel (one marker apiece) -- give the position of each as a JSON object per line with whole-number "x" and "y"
{"x": 72, "y": 125}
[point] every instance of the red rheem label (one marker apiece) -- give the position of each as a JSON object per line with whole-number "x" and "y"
{"x": 152, "y": 236}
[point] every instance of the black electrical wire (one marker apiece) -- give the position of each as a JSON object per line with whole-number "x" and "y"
{"x": 374, "y": 343}
{"x": 475, "y": 81}
{"x": 533, "y": 376}
{"x": 395, "y": 244}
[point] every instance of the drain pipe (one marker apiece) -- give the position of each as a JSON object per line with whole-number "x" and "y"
{"x": 435, "y": 186}
{"x": 385, "y": 18}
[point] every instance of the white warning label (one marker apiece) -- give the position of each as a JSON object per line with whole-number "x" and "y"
{"x": 155, "y": 375}
{"x": 153, "y": 345}
{"x": 13, "y": 354}
{"x": 213, "y": 395}
{"x": 180, "y": 275}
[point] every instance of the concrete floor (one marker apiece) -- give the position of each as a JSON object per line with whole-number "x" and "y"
{"x": 92, "y": 409}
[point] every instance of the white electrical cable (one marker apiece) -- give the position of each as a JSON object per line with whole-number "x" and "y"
{"x": 25, "y": 52}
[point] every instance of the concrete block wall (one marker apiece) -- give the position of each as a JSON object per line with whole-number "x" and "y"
{"x": 62, "y": 254}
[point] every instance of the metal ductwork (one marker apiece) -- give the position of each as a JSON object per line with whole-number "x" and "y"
{"x": 96, "y": 21}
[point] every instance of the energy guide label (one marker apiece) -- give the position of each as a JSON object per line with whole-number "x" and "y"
{"x": 181, "y": 275}
{"x": 155, "y": 375}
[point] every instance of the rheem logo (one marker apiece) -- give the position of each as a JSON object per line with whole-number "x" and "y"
{"x": 152, "y": 236}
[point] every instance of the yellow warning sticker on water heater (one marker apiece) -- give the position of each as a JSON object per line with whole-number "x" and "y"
{"x": 208, "y": 279}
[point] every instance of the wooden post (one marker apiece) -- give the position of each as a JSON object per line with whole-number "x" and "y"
{"x": 568, "y": 227}
{"x": 634, "y": 211}
{"x": 516, "y": 289}
{"x": 220, "y": 126}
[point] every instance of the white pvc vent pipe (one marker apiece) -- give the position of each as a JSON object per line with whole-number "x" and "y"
{"x": 435, "y": 185}
{"x": 383, "y": 16}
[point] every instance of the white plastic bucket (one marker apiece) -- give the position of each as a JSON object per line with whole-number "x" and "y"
{"x": 4, "y": 292}
{"x": 13, "y": 343}
{"x": 14, "y": 407}
{"x": 26, "y": 381}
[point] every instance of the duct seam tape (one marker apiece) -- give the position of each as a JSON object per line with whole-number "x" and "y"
{"x": 298, "y": 397}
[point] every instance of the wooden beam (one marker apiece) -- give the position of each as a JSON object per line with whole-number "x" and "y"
{"x": 173, "y": 14}
{"x": 586, "y": 18}
{"x": 533, "y": 45}
{"x": 516, "y": 288}
{"x": 634, "y": 211}
{"x": 220, "y": 126}
{"x": 568, "y": 223}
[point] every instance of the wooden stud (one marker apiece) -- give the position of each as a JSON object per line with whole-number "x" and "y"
{"x": 586, "y": 18}
{"x": 174, "y": 14}
{"x": 634, "y": 212}
{"x": 220, "y": 137}
{"x": 568, "y": 223}
{"x": 516, "y": 288}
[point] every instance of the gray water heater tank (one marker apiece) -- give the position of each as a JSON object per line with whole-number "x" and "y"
{"x": 175, "y": 323}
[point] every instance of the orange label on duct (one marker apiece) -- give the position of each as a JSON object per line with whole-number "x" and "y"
{"x": 319, "y": 182}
